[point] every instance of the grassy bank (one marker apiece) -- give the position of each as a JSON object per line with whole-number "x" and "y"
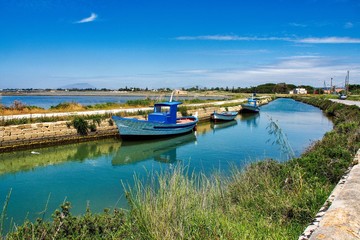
{"x": 267, "y": 200}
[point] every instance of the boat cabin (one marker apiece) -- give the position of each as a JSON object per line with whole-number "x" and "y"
{"x": 164, "y": 112}
{"x": 252, "y": 101}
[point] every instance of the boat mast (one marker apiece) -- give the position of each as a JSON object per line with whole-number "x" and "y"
{"x": 172, "y": 94}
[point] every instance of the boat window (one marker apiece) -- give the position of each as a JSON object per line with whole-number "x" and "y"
{"x": 161, "y": 109}
{"x": 165, "y": 109}
{"x": 157, "y": 109}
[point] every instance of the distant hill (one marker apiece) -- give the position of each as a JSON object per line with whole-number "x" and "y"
{"x": 78, "y": 86}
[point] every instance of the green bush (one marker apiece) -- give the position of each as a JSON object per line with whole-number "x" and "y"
{"x": 183, "y": 111}
{"x": 81, "y": 125}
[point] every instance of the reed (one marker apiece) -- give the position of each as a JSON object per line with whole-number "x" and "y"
{"x": 3, "y": 213}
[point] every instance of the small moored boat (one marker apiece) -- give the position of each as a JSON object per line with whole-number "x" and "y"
{"x": 250, "y": 106}
{"x": 160, "y": 123}
{"x": 223, "y": 116}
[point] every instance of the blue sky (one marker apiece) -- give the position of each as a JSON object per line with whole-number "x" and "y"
{"x": 173, "y": 43}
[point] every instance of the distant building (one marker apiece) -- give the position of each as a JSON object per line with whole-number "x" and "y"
{"x": 298, "y": 91}
{"x": 334, "y": 90}
{"x": 181, "y": 92}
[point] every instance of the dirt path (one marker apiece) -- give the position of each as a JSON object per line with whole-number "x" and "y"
{"x": 346, "y": 102}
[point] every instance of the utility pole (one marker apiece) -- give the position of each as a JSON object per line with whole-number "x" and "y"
{"x": 347, "y": 82}
{"x": 331, "y": 87}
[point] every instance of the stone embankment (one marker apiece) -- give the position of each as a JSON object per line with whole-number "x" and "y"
{"x": 340, "y": 221}
{"x": 50, "y": 133}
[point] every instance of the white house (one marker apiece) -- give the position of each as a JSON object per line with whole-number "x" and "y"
{"x": 298, "y": 91}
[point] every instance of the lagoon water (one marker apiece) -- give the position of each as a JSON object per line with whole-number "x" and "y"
{"x": 93, "y": 172}
{"x": 47, "y": 101}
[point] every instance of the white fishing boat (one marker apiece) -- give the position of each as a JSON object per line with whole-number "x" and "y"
{"x": 223, "y": 116}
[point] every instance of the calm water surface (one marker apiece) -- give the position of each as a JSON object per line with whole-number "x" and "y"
{"x": 93, "y": 172}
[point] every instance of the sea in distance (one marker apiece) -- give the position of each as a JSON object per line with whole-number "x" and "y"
{"x": 47, "y": 101}
{"x": 93, "y": 173}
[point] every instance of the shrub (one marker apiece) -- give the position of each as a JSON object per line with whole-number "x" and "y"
{"x": 81, "y": 125}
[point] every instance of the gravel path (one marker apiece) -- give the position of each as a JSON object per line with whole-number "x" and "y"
{"x": 346, "y": 102}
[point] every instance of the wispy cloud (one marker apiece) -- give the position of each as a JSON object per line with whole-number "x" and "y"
{"x": 293, "y": 24}
{"x": 92, "y": 18}
{"x": 312, "y": 40}
{"x": 348, "y": 25}
{"x": 231, "y": 38}
{"x": 329, "y": 40}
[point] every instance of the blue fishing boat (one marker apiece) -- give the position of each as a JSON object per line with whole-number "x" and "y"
{"x": 223, "y": 116}
{"x": 250, "y": 106}
{"x": 162, "y": 122}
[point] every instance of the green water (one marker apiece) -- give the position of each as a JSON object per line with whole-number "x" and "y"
{"x": 93, "y": 172}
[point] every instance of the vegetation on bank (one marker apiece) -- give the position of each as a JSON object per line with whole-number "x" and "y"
{"x": 267, "y": 200}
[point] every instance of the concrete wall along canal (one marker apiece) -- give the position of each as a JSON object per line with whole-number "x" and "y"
{"x": 49, "y": 133}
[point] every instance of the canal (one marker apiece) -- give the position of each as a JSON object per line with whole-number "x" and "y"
{"x": 93, "y": 173}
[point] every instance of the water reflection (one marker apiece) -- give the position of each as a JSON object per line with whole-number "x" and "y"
{"x": 13, "y": 162}
{"x": 221, "y": 125}
{"x": 163, "y": 150}
{"x": 251, "y": 119}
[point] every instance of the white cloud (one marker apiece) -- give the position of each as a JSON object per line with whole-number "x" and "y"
{"x": 313, "y": 40}
{"x": 304, "y": 69}
{"x": 231, "y": 38}
{"x": 329, "y": 40}
{"x": 92, "y": 18}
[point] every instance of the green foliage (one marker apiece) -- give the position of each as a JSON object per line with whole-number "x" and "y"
{"x": 92, "y": 127}
{"x": 197, "y": 100}
{"x": 3, "y": 213}
{"x": 107, "y": 105}
{"x": 81, "y": 125}
{"x": 60, "y": 106}
{"x": 17, "y": 121}
{"x": 183, "y": 111}
{"x": 96, "y": 119}
{"x": 354, "y": 88}
{"x": 64, "y": 226}
{"x": 140, "y": 102}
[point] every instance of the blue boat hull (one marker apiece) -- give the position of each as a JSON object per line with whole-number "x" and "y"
{"x": 131, "y": 128}
{"x": 249, "y": 108}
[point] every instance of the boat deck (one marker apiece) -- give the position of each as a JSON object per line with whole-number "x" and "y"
{"x": 184, "y": 120}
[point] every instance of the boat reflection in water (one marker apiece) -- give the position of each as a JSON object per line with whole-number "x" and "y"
{"x": 222, "y": 125}
{"x": 161, "y": 150}
{"x": 251, "y": 119}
